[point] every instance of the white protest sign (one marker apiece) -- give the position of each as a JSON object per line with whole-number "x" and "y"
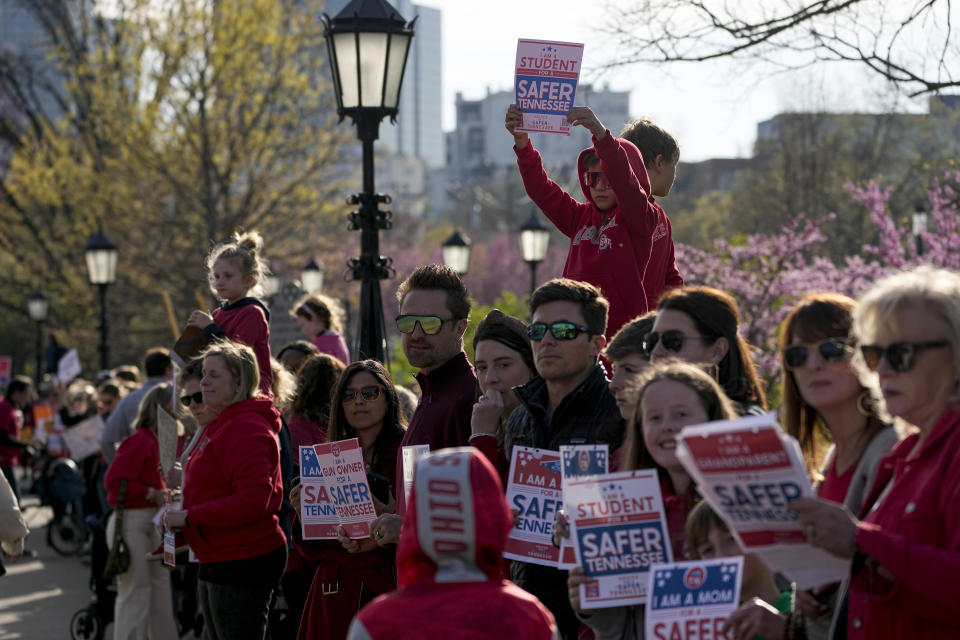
{"x": 545, "y": 84}
{"x": 410, "y": 456}
{"x": 167, "y": 438}
{"x": 83, "y": 439}
{"x": 579, "y": 461}
{"x": 345, "y": 478}
{"x": 318, "y": 517}
{"x": 749, "y": 472}
{"x": 692, "y": 600}
{"x": 619, "y": 530}
{"x": 69, "y": 367}
{"x": 533, "y": 491}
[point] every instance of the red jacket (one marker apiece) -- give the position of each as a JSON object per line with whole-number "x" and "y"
{"x": 11, "y": 421}
{"x": 138, "y": 462}
{"x": 914, "y": 533}
{"x": 232, "y": 489}
{"x": 610, "y": 250}
{"x": 247, "y": 321}
{"x": 450, "y": 562}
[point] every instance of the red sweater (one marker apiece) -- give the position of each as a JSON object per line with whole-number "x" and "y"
{"x": 610, "y": 250}
{"x": 138, "y": 462}
{"x": 914, "y": 533}
{"x": 232, "y": 489}
{"x": 247, "y": 321}
{"x": 11, "y": 421}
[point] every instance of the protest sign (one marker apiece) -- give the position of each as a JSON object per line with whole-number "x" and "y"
{"x": 749, "y": 472}
{"x": 318, "y": 517}
{"x": 6, "y": 366}
{"x": 692, "y": 600}
{"x": 533, "y": 491}
{"x": 579, "y": 461}
{"x": 410, "y": 456}
{"x": 545, "y": 84}
{"x": 68, "y": 367}
{"x": 345, "y": 478}
{"x": 167, "y": 438}
{"x": 83, "y": 439}
{"x": 619, "y": 530}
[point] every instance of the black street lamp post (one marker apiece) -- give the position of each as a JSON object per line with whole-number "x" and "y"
{"x": 534, "y": 240}
{"x": 101, "y": 257}
{"x": 38, "y": 306}
{"x": 919, "y": 227}
{"x": 368, "y": 43}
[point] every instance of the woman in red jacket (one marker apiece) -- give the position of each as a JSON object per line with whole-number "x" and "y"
{"x": 144, "y": 606}
{"x": 904, "y": 546}
{"x": 231, "y": 495}
{"x": 365, "y": 407}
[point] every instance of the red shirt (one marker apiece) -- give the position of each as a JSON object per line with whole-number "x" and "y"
{"x": 11, "y": 420}
{"x": 914, "y": 533}
{"x": 138, "y": 462}
{"x": 834, "y": 488}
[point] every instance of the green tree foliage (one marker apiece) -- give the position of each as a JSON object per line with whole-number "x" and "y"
{"x": 171, "y": 125}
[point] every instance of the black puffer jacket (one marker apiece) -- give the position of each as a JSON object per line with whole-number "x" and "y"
{"x": 588, "y": 415}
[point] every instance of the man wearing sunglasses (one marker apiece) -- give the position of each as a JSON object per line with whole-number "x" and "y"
{"x": 570, "y": 403}
{"x": 434, "y": 306}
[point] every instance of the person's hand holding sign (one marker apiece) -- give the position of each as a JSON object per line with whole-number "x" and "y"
{"x": 513, "y": 120}
{"x": 584, "y": 117}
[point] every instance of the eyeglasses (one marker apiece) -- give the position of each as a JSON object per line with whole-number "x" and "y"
{"x": 430, "y": 325}
{"x": 559, "y": 330}
{"x": 900, "y": 355}
{"x": 369, "y": 393}
{"x": 672, "y": 340}
{"x": 193, "y": 397}
{"x": 832, "y": 350}
{"x": 596, "y": 179}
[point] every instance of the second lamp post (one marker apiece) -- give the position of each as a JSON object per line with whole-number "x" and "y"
{"x": 101, "y": 258}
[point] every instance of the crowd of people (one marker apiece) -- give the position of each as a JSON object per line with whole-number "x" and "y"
{"x": 616, "y": 352}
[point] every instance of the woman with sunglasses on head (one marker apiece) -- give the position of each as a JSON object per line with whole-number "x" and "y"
{"x": 232, "y": 493}
{"x": 503, "y": 360}
{"x": 351, "y": 573}
{"x": 824, "y": 401}
{"x": 904, "y": 544}
{"x": 701, "y": 325}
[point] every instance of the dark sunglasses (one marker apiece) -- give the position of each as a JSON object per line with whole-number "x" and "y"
{"x": 596, "y": 179}
{"x": 430, "y": 325}
{"x": 193, "y": 397}
{"x": 900, "y": 355}
{"x": 369, "y": 393}
{"x": 833, "y": 350}
{"x": 559, "y": 330}
{"x": 671, "y": 339}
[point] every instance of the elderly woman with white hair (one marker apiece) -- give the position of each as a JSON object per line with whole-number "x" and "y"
{"x": 904, "y": 545}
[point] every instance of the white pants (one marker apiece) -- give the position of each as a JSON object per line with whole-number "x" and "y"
{"x": 144, "y": 606}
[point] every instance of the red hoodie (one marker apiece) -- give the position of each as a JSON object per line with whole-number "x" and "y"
{"x": 247, "y": 321}
{"x": 137, "y": 461}
{"x": 232, "y": 488}
{"x": 450, "y": 562}
{"x": 629, "y": 257}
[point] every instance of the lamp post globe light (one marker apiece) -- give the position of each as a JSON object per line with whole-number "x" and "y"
{"x": 37, "y": 307}
{"x": 534, "y": 241}
{"x": 101, "y": 258}
{"x": 919, "y": 227}
{"x": 311, "y": 277}
{"x": 456, "y": 252}
{"x": 368, "y": 44}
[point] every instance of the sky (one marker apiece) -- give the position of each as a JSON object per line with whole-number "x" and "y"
{"x": 711, "y": 108}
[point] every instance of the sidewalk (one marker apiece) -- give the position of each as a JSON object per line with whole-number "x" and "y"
{"x": 39, "y": 596}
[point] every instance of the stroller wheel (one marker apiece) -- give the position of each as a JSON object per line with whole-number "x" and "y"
{"x": 67, "y": 534}
{"x": 86, "y": 625}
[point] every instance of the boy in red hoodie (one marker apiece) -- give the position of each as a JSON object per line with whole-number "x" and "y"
{"x": 612, "y": 235}
{"x": 661, "y": 153}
